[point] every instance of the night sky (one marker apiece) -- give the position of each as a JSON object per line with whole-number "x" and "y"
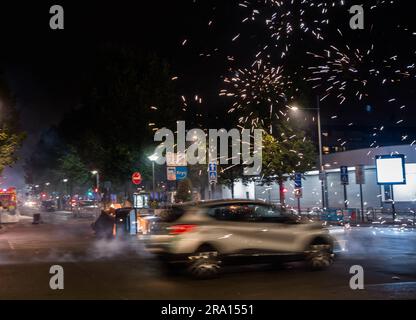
{"x": 46, "y": 68}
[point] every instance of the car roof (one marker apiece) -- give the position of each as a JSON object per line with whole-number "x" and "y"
{"x": 210, "y": 203}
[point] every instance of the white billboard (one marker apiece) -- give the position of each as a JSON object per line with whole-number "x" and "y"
{"x": 391, "y": 169}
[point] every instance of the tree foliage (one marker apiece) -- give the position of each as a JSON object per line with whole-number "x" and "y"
{"x": 285, "y": 153}
{"x": 184, "y": 192}
{"x": 11, "y": 137}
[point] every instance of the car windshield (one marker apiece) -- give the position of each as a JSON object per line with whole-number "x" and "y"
{"x": 86, "y": 203}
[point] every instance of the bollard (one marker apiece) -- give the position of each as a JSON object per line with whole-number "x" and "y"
{"x": 36, "y": 218}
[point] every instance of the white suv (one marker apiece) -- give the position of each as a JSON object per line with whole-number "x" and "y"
{"x": 204, "y": 236}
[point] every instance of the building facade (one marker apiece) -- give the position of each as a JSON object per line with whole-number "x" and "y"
{"x": 374, "y": 196}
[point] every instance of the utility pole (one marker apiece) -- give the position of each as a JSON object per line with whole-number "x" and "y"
{"x": 321, "y": 164}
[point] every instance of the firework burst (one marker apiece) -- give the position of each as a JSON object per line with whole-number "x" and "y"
{"x": 258, "y": 93}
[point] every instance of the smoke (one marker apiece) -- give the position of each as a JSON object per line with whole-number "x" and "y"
{"x": 84, "y": 251}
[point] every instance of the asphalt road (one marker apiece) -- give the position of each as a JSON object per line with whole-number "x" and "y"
{"x": 98, "y": 269}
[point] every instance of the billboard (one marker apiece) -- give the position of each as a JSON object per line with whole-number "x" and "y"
{"x": 391, "y": 169}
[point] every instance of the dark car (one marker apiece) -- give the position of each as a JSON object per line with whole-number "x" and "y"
{"x": 48, "y": 206}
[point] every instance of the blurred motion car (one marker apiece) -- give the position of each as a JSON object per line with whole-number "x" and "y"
{"x": 204, "y": 236}
{"x": 85, "y": 208}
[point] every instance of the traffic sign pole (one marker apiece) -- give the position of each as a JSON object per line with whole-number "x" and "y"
{"x": 362, "y": 202}
{"x": 345, "y": 182}
{"x": 345, "y": 197}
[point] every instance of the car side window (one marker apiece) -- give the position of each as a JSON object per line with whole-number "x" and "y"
{"x": 237, "y": 212}
{"x": 268, "y": 213}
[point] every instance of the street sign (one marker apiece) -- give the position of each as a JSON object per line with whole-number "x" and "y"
{"x": 181, "y": 173}
{"x": 212, "y": 172}
{"x": 212, "y": 176}
{"x": 212, "y": 167}
{"x": 344, "y": 175}
{"x": 176, "y": 159}
{"x": 359, "y": 175}
{"x": 171, "y": 173}
{"x": 298, "y": 193}
{"x": 298, "y": 180}
{"x": 136, "y": 178}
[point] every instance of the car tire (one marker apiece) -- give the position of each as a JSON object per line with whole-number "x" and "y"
{"x": 204, "y": 263}
{"x": 319, "y": 256}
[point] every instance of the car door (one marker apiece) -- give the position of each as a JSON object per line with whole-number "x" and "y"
{"x": 234, "y": 228}
{"x": 275, "y": 231}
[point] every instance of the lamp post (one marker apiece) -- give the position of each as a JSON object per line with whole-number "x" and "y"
{"x": 153, "y": 158}
{"x": 321, "y": 164}
{"x": 97, "y": 186}
{"x": 97, "y": 176}
{"x": 65, "y": 181}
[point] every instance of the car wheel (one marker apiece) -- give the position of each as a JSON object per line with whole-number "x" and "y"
{"x": 204, "y": 264}
{"x": 319, "y": 256}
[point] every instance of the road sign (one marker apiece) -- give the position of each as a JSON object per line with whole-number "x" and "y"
{"x": 212, "y": 172}
{"x": 136, "y": 178}
{"x": 344, "y": 175}
{"x": 181, "y": 173}
{"x": 298, "y": 193}
{"x": 359, "y": 175}
{"x": 212, "y": 167}
{"x": 171, "y": 173}
{"x": 176, "y": 159}
{"x": 212, "y": 176}
{"x": 298, "y": 180}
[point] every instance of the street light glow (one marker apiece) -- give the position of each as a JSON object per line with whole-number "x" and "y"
{"x": 94, "y": 172}
{"x": 65, "y": 180}
{"x": 153, "y": 157}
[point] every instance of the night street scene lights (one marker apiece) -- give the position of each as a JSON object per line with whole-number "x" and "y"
{"x": 97, "y": 176}
{"x": 295, "y": 108}
{"x": 153, "y": 158}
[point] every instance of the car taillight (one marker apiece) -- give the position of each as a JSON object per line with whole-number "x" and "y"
{"x": 181, "y": 228}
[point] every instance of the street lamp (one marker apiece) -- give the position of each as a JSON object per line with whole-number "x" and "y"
{"x": 97, "y": 175}
{"x": 153, "y": 158}
{"x": 321, "y": 165}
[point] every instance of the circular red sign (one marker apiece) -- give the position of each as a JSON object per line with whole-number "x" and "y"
{"x": 136, "y": 178}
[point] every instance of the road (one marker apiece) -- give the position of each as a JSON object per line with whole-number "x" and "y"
{"x": 102, "y": 269}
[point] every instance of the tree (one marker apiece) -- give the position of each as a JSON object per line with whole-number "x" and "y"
{"x": 284, "y": 154}
{"x": 11, "y": 137}
{"x": 72, "y": 168}
{"x": 184, "y": 192}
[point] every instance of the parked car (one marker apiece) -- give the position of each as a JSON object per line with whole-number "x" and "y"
{"x": 204, "y": 236}
{"x": 48, "y": 206}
